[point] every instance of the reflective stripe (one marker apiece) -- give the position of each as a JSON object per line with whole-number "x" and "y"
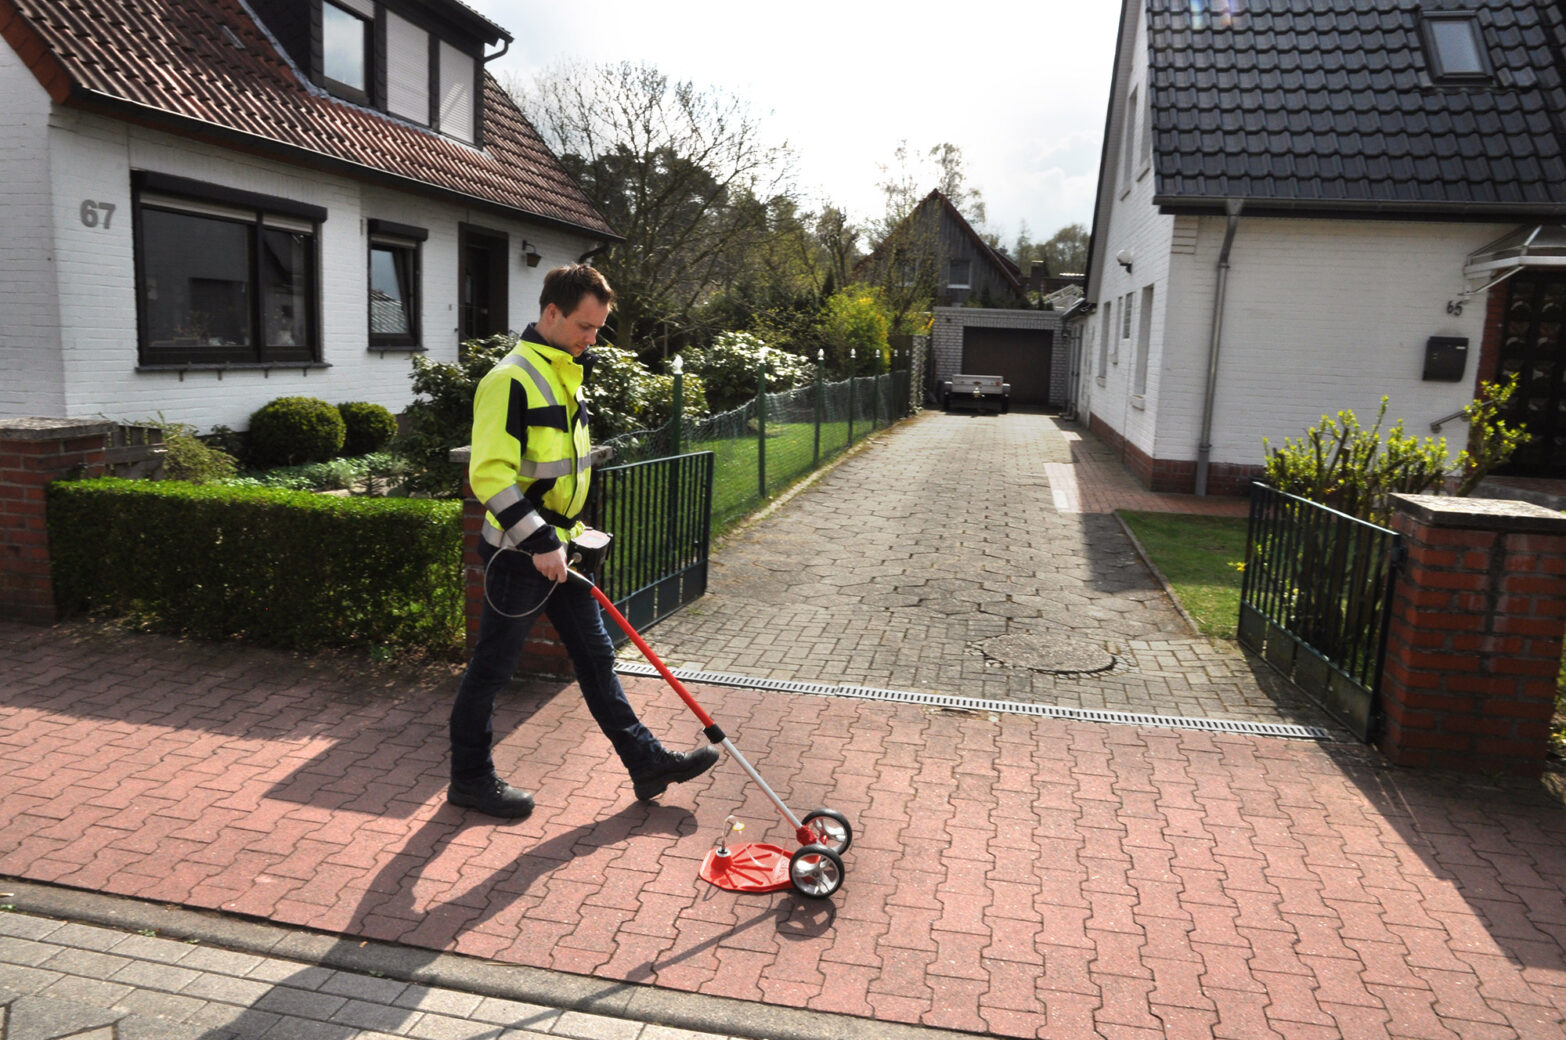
{"x": 544, "y": 389}
{"x": 562, "y": 468}
{"x": 517, "y": 533}
{"x": 504, "y": 499}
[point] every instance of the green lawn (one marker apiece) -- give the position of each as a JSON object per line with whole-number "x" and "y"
{"x": 1201, "y": 557}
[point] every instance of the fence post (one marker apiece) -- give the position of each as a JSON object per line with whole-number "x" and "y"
{"x": 677, "y": 423}
{"x": 875, "y": 390}
{"x": 761, "y": 424}
{"x": 820, "y": 362}
{"x": 1474, "y": 640}
{"x": 851, "y": 398}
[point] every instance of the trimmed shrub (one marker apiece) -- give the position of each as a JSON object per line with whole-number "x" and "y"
{"x": 293, "y": 430}
{"x": 367, "y": 427}
{"x": 441, "y": 415}
{"x": 282, "y": 568}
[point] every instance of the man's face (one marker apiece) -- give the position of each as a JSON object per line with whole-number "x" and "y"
{"x": 577, "y": 331}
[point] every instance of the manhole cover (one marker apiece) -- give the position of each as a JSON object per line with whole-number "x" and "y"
{"x": 1046, "y": 652}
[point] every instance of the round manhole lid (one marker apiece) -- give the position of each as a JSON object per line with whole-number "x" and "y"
{"x": 1046, "y": 652}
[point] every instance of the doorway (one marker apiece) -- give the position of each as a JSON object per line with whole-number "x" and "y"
{"x": 1533, "y": 347}
{"x": 481, "y": 282}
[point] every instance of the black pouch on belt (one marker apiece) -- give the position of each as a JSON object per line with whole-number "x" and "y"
{"x": 587, "y": 551}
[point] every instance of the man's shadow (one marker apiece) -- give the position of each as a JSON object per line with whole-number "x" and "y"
{"x": 389, "y": 903}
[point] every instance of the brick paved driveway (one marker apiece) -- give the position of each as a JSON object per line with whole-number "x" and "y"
{"x": 1010, "y": 875}
{"x": 936, "y": 558}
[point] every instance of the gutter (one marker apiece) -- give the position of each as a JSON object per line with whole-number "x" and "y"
{"x": 1204, "y": 448}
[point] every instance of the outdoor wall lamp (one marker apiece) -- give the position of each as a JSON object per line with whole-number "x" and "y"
{"x": 1123, "y": 258}
{"x": 530, "y": 254}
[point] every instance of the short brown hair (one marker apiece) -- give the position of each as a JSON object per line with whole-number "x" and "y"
{"x": 565, "y": 286}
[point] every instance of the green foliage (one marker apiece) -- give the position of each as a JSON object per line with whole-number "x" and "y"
{"x": 856, "y": 318}
{"x": 441, "y": 415}
{"x": 368, "y": 427}
{"x": 191, "y": 459}
{"x": 728, "y": 369}
{"x": 1354, "y": 470}
{"x": 332, "y": 475}
{"x": 1491, "y": 439}
{"x": 291, "y": 430}
{"x": 624, "y": 396}
{"x": 282, "y": 568}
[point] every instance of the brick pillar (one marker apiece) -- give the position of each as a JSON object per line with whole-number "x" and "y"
{"x": 543, "y": 654}
{"x": 1474, "y": 641}
{"x": 33, "y": 453}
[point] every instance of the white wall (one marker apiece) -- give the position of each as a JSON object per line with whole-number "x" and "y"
{"x": 91, "y": 157}
{"x": 1320, "y": 315}
{"x": 32, "y": 375}
{"x": 1134, "y": 226}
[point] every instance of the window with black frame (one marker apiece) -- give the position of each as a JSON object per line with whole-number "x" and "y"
{"x": 345, "y": 51}
{"x": 222, "y": 282}
{"x": 394, "y": 284}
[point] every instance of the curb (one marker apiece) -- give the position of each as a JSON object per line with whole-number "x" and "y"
{"x": 636, "y": 1002}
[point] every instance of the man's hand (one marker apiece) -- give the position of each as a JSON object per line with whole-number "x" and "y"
{"x": 552, "y": 565}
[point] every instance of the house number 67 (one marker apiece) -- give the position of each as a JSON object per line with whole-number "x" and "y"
{"x": 93, "y": 212}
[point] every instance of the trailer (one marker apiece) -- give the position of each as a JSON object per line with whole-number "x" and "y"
{"x": 982, "y": 393}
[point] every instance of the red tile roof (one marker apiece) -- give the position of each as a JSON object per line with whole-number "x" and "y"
{"x": 171, "y": 64}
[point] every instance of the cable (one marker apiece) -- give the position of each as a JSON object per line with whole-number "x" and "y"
{"x": 531, "y": 610}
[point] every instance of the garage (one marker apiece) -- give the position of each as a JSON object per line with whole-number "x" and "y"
{"x": 1021, "y": 356}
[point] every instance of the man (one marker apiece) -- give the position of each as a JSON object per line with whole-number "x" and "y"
{"x": 530, "y": 469}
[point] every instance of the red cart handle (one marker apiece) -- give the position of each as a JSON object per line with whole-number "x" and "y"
{"x": 714, "y": 734}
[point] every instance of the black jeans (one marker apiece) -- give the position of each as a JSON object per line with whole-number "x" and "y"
{"x": 515, "y": 586}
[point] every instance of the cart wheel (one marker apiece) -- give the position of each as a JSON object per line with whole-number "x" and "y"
{"x": 831, "y": 828}
{"x": 815, "y": 871}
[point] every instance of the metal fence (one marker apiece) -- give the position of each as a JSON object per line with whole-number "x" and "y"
{"x": 660, "y": 513}
{"x": 776, "y": 438}
{"x": 1315, "y": 600}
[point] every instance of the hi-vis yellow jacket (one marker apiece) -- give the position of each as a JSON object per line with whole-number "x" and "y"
{"x": 531, "y": 447}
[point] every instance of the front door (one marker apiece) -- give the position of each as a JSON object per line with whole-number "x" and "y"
{"x": 481, "y": 283}
{"x": 1533, "y": 346}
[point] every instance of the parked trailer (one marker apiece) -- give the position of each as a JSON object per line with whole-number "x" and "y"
{"x": 983, "y": 393}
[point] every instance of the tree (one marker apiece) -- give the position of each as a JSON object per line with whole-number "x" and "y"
{"x": 1066, "y": 250}
{"x": 684, "y": 174}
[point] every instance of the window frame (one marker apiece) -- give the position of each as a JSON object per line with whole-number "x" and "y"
{"x": 256, "y": 213}
{"x": 409, "y": 241}
{"x": 967, "y": 282}
{"x": 1433, "y": 54}
{"x": 341, "y": 88}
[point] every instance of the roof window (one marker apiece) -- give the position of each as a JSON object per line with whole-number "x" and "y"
{"x": 1454, "y": 47}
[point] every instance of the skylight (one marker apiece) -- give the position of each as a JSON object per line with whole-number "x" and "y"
{"x": 1455, "y": 46}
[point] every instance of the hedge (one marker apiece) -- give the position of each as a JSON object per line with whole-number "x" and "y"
{"x": 283, "y": 568}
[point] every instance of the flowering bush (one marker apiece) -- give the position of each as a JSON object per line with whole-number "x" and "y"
{"x": 728, "y": 369}
{"x": 625, "y": 396}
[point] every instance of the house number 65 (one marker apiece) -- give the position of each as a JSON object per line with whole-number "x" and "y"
{"x": 93, "y": 212}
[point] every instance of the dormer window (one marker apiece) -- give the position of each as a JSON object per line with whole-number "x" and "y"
{"x": 1454, "y": 47}
{"x": 345, "y": 50}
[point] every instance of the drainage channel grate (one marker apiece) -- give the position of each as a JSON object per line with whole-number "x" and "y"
{"x": 1124, "y": 718}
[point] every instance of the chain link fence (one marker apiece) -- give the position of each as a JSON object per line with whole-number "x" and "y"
{"x": 776, "y": 438}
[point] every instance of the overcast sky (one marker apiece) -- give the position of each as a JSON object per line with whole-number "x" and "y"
{"x": 1020, "y": 87}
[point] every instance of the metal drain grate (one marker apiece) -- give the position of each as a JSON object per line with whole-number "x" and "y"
{"x": 936, "y": 700}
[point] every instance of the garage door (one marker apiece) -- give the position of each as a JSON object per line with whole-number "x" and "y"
{"x": 1021, "y": 356}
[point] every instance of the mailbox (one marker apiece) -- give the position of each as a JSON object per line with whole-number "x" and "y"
{"x": 1445, "y": 358}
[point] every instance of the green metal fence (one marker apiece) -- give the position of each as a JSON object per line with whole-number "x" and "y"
{"x": 776, "y": 437}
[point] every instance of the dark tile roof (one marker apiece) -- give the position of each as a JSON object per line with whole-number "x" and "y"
{"x": 1329, "y": 104}
{"x": 204, "y": 68}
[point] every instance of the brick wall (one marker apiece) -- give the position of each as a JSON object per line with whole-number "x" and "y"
{"x": 34, "y": 452}
{"x": 947, "y": 331}
{"x": 1176, "y": 476}
{"x": 1474, "y": 640}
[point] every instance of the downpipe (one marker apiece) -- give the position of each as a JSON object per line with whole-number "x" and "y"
{"x": 1204, "y": 448}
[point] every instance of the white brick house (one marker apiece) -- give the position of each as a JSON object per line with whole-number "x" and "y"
{"x": 203, "y": 212}
{"x": 1347, "y": 193}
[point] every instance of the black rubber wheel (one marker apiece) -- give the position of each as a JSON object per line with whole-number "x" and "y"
{"x": 831, "y": 828}
{"x": 815, "y": 871}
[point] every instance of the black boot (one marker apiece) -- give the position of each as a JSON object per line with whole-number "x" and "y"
{"x": 491, "y": 796}
{"x": 678, "y": 768}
